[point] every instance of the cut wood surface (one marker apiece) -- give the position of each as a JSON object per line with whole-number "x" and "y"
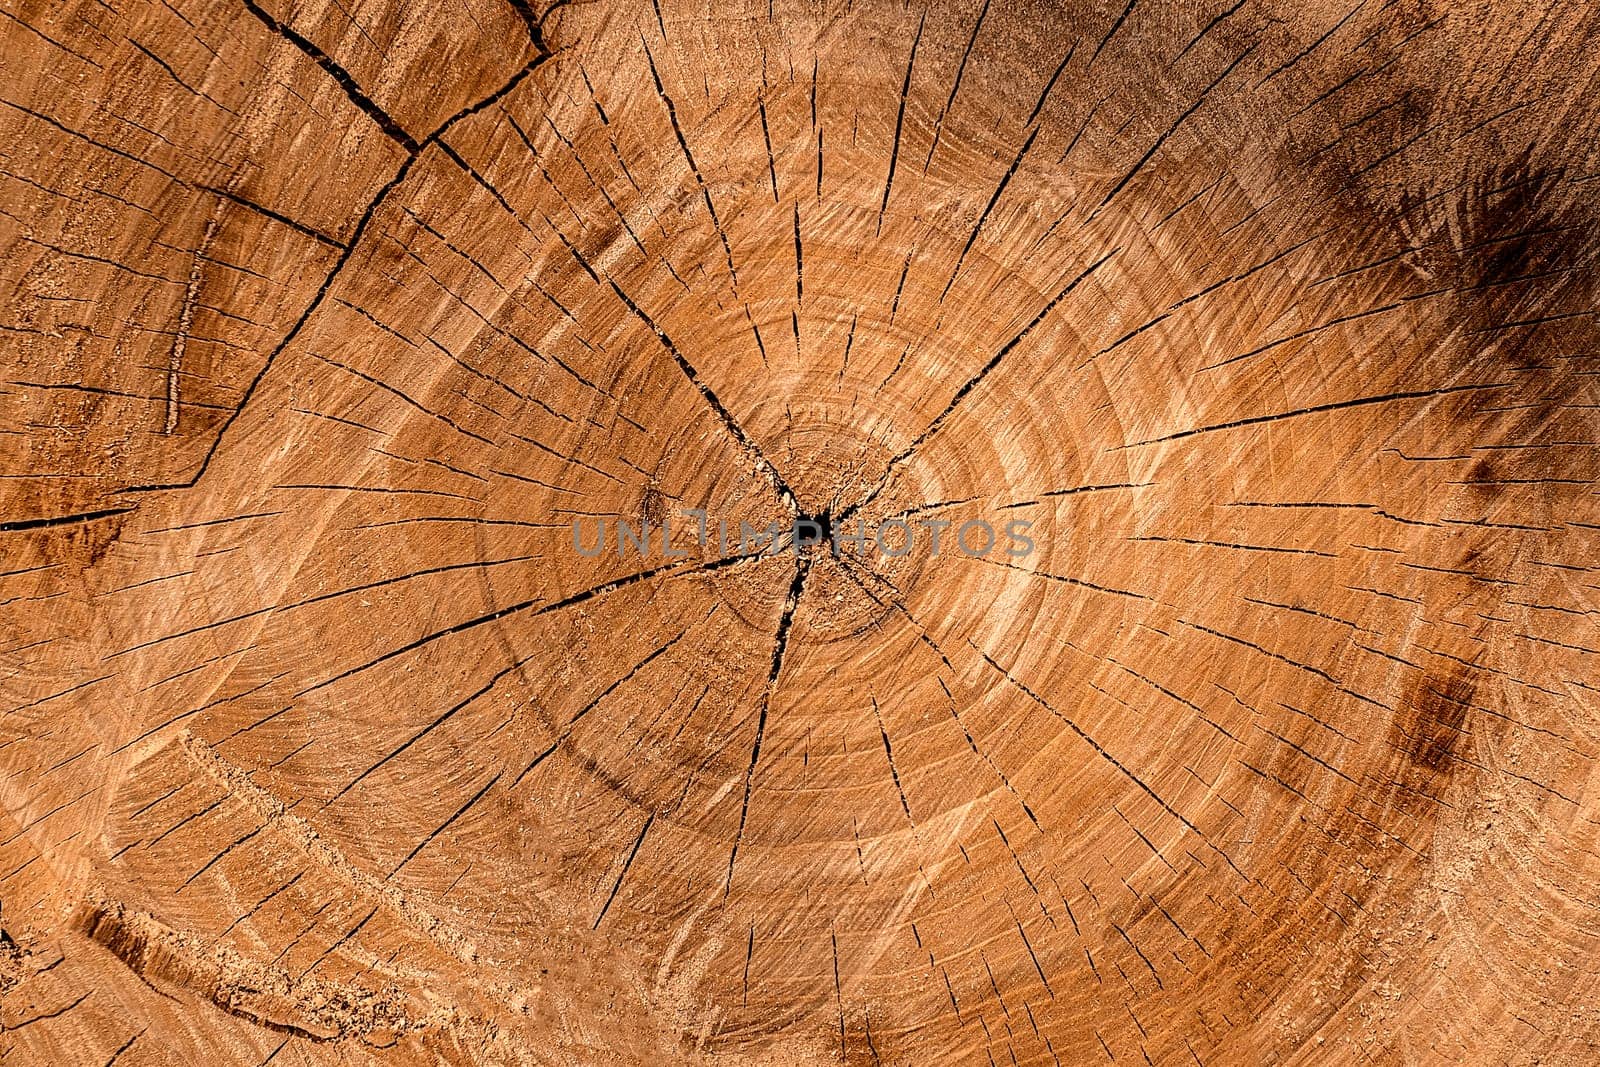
{"x": 324, "y": 322}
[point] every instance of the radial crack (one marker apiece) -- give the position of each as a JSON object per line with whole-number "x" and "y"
{"x": 779, "y": 646}
{"x": 972, "y": 383}
{"x": 746, "y": 442}
{"x": 414, "y": 151}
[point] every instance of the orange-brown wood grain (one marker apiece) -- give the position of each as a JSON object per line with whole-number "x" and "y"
{"x": 1270, "y": 327}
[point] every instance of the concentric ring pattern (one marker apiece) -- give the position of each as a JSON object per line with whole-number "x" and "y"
{"x": 1270, "y": 326}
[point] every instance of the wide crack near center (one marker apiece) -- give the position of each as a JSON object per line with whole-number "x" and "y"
{"x": 813, "y": 530}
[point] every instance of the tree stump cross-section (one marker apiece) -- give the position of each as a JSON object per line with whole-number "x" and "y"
{"x": 799, "y": 533}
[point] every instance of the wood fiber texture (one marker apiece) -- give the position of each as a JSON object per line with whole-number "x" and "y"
{"x": 323, "y": 320}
